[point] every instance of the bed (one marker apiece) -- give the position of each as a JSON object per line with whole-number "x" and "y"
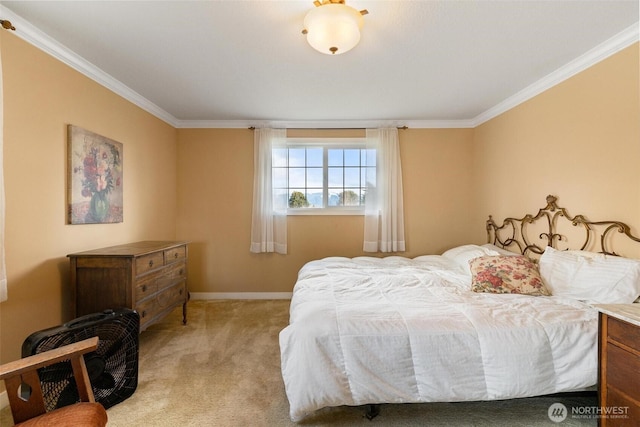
{"x": 485, "y": 322}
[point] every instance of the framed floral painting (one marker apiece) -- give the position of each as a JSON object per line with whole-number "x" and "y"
{"x": 95, "y": 178}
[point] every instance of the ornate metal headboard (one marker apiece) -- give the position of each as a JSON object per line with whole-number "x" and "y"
{"x": 596, "y": 236}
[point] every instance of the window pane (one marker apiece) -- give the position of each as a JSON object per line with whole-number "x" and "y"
{"x": 315, "y": 199}
{"x": 352, "y": 157}
{"x": 279, "y": 157}
{"x": 334, "y": 197}
{"x": 371, "y": 176}
{"x": 296, "y": 156}
{"x": 352, "y": 177}
{"x": 335, "y": 157}
{"x": 279, "y": 177}
{"x": 297, "y": 177}
{"x": 335, "y": 177}
{"x": 280, "y": 197}
{"x": 351, "y": 197}
{"x": 314, "y": 157}
{"x": 371, "y": 158}
{"x": 314, "y": 177}
{"x": 297, "y": 198}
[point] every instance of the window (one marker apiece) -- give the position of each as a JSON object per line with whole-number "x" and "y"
{"x": 323, "y": 175}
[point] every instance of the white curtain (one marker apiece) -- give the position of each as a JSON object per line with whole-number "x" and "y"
{"x": 269, "y": 216}
{"x": 384, "y": 212}
{"x": 3, "y": 270}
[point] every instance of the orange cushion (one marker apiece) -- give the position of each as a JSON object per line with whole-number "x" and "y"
{"x": 83, "y": 414}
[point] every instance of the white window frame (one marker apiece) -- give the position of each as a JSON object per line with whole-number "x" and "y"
{"x": 325, "y": 143}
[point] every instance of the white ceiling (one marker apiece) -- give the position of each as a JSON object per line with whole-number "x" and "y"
{"x": 236, "y": 63}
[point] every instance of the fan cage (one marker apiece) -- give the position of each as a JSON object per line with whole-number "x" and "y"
{"x": 112, "y": 368}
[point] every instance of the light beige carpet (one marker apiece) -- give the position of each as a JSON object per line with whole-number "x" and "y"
{"x": 223, "y": 369}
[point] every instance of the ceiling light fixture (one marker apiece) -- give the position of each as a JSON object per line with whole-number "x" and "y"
{"x": 333, "y": 27}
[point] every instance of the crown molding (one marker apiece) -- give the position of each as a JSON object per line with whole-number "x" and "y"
{"x": 28, "y": 32}
{"x": 615, "y": 44}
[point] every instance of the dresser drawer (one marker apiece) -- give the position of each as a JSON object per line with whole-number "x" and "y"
{"x": 172, "y": 295}
{"x": 623, "y": 332}
{"x": 147, "y": 285}
{"x": 622, "y": 370}
{"x": 177, "y": 271}
{"x": 158, "y": 280}
{"x": 627, "y": 411}
{"x": 147, "y": 311}
{"x": 149, "y": 262}
{"x": 161, "y": 301}
{"x": 175, "y": 254}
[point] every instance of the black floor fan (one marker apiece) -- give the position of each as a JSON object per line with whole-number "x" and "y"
{"x": 112, "y": 368}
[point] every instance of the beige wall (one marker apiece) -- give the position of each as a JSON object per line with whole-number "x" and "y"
{"x": 215, "y": 177}
{"x": 580, "y": 141}
{"x": 41, "y": 97}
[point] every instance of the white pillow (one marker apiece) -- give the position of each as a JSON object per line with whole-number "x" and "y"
{"x": 461, "y": 255}
{"x": 587, "y": 276}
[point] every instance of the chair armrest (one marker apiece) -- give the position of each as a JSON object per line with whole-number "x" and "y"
{"x": 46, "y": 358}
{"x": 25, "y": 372}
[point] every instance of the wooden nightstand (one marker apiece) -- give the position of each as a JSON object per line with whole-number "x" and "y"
{"x": 619, "y": 365}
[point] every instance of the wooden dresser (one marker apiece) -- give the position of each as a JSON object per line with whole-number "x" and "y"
{"x": 149, "y": 277}
{"x": 619, "y": 365}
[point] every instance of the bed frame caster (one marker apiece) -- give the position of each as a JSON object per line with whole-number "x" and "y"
{"x": 372, "y": 411}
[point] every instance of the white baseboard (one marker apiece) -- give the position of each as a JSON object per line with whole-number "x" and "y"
{"x": 239, "y": 295}
{"x": 4, "y": 400}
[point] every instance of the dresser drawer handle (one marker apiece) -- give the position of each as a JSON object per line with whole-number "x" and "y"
{"x": 144, "y": 313}
{"x": 180, "y": 272}
{"x": 176, "y": 255}
{"x": 144, "y": 288}
{"x": 150, "y": 263}
{"x": 181, "y": 290}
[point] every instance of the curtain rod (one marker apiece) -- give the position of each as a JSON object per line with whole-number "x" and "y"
{"x": 398, "y": 127}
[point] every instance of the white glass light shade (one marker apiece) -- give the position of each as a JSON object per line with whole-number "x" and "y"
{"x": 333, "y": 28}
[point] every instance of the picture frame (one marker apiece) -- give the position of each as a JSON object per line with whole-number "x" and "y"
{"x": 95, "y": 180}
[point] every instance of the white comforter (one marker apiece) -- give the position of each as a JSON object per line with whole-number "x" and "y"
{"x": 398, "y": 330}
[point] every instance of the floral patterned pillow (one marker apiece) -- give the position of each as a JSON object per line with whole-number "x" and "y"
{"x": 506, "y": 275}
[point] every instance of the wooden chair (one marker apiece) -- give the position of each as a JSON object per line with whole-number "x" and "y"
{"x": 31, "y": 411}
